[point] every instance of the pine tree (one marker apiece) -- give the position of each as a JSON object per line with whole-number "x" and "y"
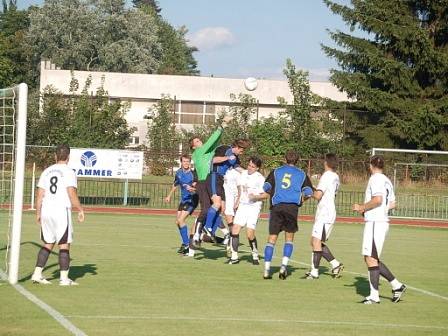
{"x": 396, "y": 70}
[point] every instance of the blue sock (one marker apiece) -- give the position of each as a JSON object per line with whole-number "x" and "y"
{"x": 211, "y": 214}
{"x": 216, "y": 224}
{"x": 184, "y": 234}
{"x": 287, "y": 252}
{"x": 268, "y": 252}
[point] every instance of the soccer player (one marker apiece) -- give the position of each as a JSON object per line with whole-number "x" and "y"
{"x": 250, "y": 182}
{"x": 186, "y": 178}
{"x": 325, "y": 193}
{"x": 231, "y": 194}
{"x": 226, "y": 157}
{"x": 288, "y": 186}
{"x": 202, "y": 157}
{"x": 56, "y": 195}
{"x": 379, "y": 199}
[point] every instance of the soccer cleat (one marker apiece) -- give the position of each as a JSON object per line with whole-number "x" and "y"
{"x": 182, "y": 248}
{"x": 283, "y": 274}
{"x": 267, "y": 275}
{"x": 397, "y": 293}
{"x": 368, "y": 300}
{"x": 255, "y": 262}
{"x": 310, "y": 276}
{"x": 40, "y": 280}
{"x": 233, "y": 261}
{"x": 337, "y": 271}
{"x": 67, "y": 282}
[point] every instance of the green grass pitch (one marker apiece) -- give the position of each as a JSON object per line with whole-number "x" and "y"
{"x": 132, "y": 282}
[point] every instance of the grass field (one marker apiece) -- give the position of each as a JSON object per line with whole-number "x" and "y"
{"x": 132, "y": 282}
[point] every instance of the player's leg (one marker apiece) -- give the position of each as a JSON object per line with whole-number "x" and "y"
{"x": 336, "y": 266}
{"x": 48, "y": 235}
{"x": 370, "y": 253}
{"x": 252, "y": 218}
{"x": 275, "y": 226}
{"x": 289, "y": 213}
{"x": 234, "y": 243}
{"x": 183, "y": 229}
{"x": 316, "y": 245}
{"x": 205, "y": 202}
{"x": 64, "y": 240}
{"x": 288, "y": 247}
{"x": 42, "y": 258}
{"x": 213, "y": 210}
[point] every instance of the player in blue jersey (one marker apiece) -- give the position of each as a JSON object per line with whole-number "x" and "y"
{"x": 226, "y": 157}
{"x": 186, "y": 178}
{"x": 288, "y": 187}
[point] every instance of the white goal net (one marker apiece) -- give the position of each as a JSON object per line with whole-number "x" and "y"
{"x": 13, "y": 112}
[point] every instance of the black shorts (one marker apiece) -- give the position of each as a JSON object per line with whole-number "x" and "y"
{"x": 189, "y": 206}
{"x": 215, "y": 185}
{"x": 283, "y": 217}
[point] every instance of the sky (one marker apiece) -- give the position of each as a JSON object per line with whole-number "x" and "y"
{"x": 253, "y": 38}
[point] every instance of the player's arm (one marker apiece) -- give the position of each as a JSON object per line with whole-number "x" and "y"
{"x": 211, "y": 142}
{"x": 39, "y": 198}
{"x": 74, "y": 200}
{"x": 372, "y": 204}
{"x": 168, "y": 197}
{"x": 307, "y": 189}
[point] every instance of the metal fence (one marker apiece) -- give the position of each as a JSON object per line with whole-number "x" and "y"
{"x": 151, "y": 195}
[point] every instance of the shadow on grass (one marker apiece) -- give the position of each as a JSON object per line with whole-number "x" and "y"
{"x": 77, "y": 272}
{"x": 361, "y": 285}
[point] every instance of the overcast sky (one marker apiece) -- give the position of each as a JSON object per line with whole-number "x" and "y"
{"x": 242, "y": 38}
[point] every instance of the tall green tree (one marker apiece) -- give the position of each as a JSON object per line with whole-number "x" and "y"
{"x": 153, "y": 4}
{"x": 396, "y": 70}
{"x": 100, "y": 35}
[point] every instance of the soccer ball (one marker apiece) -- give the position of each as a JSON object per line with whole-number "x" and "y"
{"x": 250, "y": 84}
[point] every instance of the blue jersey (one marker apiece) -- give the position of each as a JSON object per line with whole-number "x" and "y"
{"x": 184, "y": 178}
{"x": 222, "y": 167}
{"x": 286, "y": 184}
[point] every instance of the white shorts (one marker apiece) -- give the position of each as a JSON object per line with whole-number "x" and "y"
{"x": 322, "y": 230}
{"x": 247, "y": 215}
{"x": 374, "y": 237}
{"x": 56, "y": 224}
{"x": 231, "y": 196}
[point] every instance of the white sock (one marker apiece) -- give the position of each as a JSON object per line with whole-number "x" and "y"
{"x": 374, "y": 294}
{"x": 395, "y": 284}
{"x": 234, "y": 255}
{"x": 191, "y": 252}
{"x": 38, "y": 272}
{"x": 196, "y": 237}
{"x": 285, "y": 261}
{"x": 225, "y": 231}
{"x": 267, "y": 265}
{"x": 334, "y": 263}
{"x": 314, "y": 272}
{"x": 312, "y": 262}
{"x": 64, "y": 275}
{"x": 254, "y": 255}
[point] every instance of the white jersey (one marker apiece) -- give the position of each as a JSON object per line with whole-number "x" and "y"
{"x": 231, "y": 181}
{"x": 250, "y": 184}
{"x": 326, "y": 209}
{"x": 55, "y": 180}
{"x": 379, "y": 185}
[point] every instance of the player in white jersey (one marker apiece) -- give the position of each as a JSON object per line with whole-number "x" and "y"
{"x": 379, "y": 199}
{"x": 231, "y": 192}
{"x": 56, "y": 195}
{"x": 250, "y": 182}
{"x": 325, "y": 193}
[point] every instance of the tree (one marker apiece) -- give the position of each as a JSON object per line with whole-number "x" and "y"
{"x": 397, "y": 71}
{"x": 162, "y": 137}
{"x": 101, "y": 35}
{"x": 153, "y": 4}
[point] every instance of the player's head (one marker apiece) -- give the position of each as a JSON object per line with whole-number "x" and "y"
{"x": 292, "y": 157}
{"x": 331, "y": 161}
{"x": 62, "y": 152}
{"x": 239, "y": 145}
{"x": 195, "y": 142}
{"x": 253, "y": 165}
{"x": 376, "y": 163}
{"x": 185, "y": 161}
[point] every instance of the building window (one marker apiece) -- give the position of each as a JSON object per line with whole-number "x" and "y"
{"x": 134, "y": 141}
{"x": 194, "y": 112}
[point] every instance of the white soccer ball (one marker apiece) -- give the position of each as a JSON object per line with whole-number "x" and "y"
{"x": 250, "y": 84}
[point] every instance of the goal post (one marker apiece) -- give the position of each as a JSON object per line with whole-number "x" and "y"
{"x": 14, "y": 116}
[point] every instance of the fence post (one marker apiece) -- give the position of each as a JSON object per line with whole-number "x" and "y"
{"x": 33, "y": 183}
{"x": 125, "y": 192}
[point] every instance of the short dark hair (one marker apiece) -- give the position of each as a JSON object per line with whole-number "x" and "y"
{"x": 255, "y": 160}
{"x": 377, "y": 161}
{"x": 184, "y": 156}
{"x": 190, "y": 141}
{"x": 332, "y": 160}
{"x": 62, "y": 152}
{"x": 292, "y": 157}
{"x": 242, "y": 143}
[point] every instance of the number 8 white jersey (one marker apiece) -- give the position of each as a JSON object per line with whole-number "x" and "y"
{"x": 379, "y": 185}
{"x": 55, "y": 180}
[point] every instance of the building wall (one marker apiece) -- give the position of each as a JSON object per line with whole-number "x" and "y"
{"x": 142, "y": 91}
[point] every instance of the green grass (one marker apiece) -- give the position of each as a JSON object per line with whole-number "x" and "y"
{"x": 132, "y": 282}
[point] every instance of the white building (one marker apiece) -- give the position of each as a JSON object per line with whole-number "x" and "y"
{"x": 197, "y": 99}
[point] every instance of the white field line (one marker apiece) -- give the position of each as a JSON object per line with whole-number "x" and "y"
{"x": 238, "y": 319}
{"x": 48, "y": 309}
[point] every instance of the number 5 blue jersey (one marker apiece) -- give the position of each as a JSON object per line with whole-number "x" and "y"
{"x": 286, "y": 184}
